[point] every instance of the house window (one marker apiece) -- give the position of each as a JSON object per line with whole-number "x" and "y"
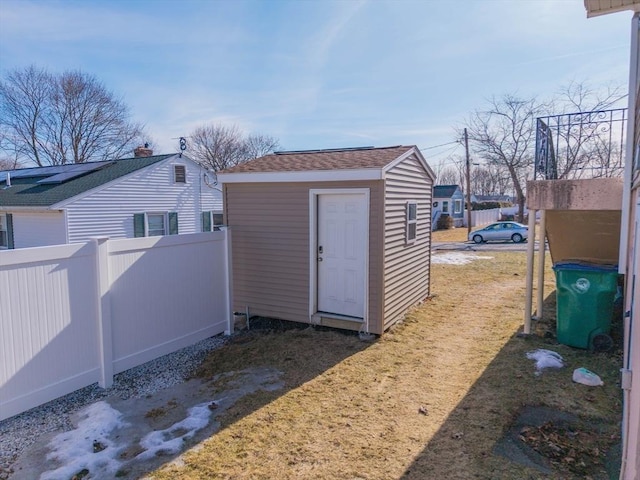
{"x": 179, "y": 174}
{"x": 412, "y": 216}
{"x": 445, "y": 207}
{"x": 457, "y": 206}
{"x": 211, "y": 221}
{"x": 154, "y": 224}
{"x": 6, "y": 231}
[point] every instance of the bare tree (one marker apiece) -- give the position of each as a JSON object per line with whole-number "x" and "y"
{"x": 483, "y": 181}
{"x": 504, "y": 135}
{"x": 449, "y": 175}
{"x": 219, "y": 146}
{"x": 9, "y": 158}
{"x": 24, "y": 97}
{"x": 258, "y": 145}
{"x": 582, "y": 118}
{"x": 582, "y": 97}
{"x": 67, "y": 118}
{"x": 581, "y": 126}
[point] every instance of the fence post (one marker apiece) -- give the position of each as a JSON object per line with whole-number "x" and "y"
{"x": 103, "y": 311}
{"x": 228, "y": 281}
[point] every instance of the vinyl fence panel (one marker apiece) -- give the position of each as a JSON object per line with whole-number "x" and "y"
{"x": 72, "y": 315}
{"x": 47, "y": 333}
{"x": 172, "y": 288}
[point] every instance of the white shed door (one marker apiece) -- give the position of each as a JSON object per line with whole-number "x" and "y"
{"x": 342, "y": 250}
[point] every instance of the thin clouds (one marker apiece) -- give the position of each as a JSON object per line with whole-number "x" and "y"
{"x": 316, "y": 73}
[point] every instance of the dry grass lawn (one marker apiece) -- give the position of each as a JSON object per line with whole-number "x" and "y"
{"x": 428, "y": 400}
{"x": 450, "y": 235}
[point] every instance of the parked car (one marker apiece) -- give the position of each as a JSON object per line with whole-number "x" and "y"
{"x": 500, "y": 231}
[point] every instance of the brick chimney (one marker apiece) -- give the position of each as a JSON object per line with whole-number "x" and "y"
{"x": 142, "y": 151}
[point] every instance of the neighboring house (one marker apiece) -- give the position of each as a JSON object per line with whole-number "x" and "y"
{"x": 629, "y": 261}
{"x": 449, "y": 200}
{"x": 331, "y": 237}
{"x": 134, "y": 197}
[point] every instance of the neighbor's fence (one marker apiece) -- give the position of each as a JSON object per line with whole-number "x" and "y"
{"x": 72, "y": 315}
{"x": 482, "y": 217}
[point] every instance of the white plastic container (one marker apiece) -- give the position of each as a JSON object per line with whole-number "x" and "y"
{"x": 586, "y": 377}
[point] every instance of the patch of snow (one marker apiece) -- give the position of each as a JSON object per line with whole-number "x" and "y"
{"x": 545, "y": 359}
{"x": 75, "y": 449}
{"x": 456, "y": 258}
{"x": 167, "y": 442}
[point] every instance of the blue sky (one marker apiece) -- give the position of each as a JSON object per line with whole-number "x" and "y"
{"x": 318, "y": 74}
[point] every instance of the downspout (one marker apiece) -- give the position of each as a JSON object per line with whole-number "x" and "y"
{"x": 624, "y": 233}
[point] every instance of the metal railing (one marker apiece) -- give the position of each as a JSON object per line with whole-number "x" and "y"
{"x": 581, "y": 145}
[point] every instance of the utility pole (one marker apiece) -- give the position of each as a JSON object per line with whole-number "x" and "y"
{"x": 468, "y": 188}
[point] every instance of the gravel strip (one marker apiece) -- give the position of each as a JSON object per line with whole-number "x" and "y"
{"x": 21, "y": 431}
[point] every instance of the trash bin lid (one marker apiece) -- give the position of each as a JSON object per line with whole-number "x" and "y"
{"x": 585, "y": 266}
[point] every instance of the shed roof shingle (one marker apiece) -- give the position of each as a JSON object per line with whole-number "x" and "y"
{"x": 314, "y": 160}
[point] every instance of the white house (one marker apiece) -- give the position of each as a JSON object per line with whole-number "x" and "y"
{"x": 145, "y": 195}
{"x": 448, "y": 200}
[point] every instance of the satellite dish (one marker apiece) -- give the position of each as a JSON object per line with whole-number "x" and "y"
{"x": 208, "y": 181}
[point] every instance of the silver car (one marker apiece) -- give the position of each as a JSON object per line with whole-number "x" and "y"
{"x": 500, "y": 231}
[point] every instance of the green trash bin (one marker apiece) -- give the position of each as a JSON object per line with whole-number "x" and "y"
{"x": 584, "y": 304}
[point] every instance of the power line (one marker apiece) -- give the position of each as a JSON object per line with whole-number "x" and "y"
{"x": 441, "y": 145}
{"x": 448, "y": 151}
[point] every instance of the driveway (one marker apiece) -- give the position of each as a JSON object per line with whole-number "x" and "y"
{"x": 482, "y": 247}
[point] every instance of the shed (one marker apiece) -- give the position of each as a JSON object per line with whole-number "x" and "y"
{"x": 338, "y": 237}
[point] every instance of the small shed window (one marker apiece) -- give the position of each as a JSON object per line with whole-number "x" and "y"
{"x": 180, "y": 174}
{"x": 412, "y": 221}
{"x": 445, "y": 207}
{"x": 457, "y": 206}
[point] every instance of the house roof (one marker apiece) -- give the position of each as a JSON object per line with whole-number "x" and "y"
{"x": 445, "y": 191}
{"x": 333, "y": 159}
{"x": 25, "y": 191}
{"x": 362, "y": 163}
{"x": 602, "y": 7}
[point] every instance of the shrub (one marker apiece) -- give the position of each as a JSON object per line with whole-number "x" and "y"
{"x": 489, "y": 205}
{"x": 445, "y": 222}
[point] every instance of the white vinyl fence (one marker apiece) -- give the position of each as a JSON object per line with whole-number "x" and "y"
{"x": 73, "y": 315}
{"x": 483, "y": 217}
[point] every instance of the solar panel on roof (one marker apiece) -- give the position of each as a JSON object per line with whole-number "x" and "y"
{"x": 40, "y": 171}
{"x": 73, "y": 171}
{"x": 27, "y": 172}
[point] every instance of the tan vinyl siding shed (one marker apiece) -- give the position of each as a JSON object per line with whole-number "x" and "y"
{"x": 325, "y": 236}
